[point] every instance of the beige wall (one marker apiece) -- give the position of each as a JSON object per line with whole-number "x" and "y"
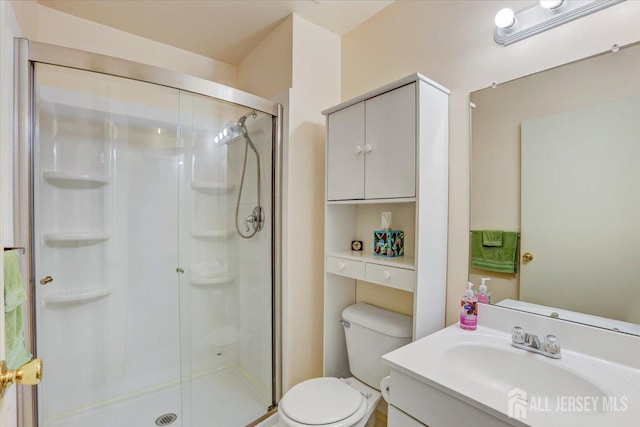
{"x": 452, "y": 43}
{"x": 43, "y": 24}
{"x": 403, "y": 218}
{"x": 495, "y": 161}
{"x": 316, "y": 86}
{"x": 305, "y": 57}
{"x": 267, "y": 70}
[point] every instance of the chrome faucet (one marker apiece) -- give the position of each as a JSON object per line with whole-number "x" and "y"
{"x": 530, "y": 342}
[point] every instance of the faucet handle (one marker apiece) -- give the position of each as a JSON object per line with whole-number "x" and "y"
{"x": 517, "y": 335}
{"x": 551, "y": 344}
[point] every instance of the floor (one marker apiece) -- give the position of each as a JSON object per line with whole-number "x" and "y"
{"x": 225, "y": 398}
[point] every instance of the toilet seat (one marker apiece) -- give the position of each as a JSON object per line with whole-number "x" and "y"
{"x": 326, "y": 402}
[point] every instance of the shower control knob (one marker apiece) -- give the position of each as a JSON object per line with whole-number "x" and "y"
{"x": 46, "y": 280}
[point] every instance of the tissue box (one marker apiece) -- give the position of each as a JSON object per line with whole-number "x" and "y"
{"x": 389, "y": 243}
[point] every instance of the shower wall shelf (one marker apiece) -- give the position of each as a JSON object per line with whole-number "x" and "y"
{"x": 224, "y": 336}
{"x": 213, "y": 234}
{"x": 213, "y": 187}
{"x": 78, "y": 296}
{"x": 57, "y": 177}
{"x": 71, "y": 236}
{"x": 213, "y": 280}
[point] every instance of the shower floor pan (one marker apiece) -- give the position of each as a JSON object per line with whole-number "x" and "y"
{"x": 225, "y": 398}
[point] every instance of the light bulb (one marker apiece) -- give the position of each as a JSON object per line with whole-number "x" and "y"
{"x": 505, "y": 18}
{"x": 551, "y": 4}
{"x": 216, "y": 140}
{"x": 225, "y": 132}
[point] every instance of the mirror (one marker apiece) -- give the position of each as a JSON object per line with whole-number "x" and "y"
{"x": 556, "y": 157}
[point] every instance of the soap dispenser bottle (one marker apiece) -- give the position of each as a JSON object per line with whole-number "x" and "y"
{"x": 483, "y": 295}
{"x": 469, "y": 310}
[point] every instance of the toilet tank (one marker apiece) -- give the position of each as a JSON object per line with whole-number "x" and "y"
{"x": 371, "y": 332}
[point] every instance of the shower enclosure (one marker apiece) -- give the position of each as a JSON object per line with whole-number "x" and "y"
{"x": 150, "y": 222}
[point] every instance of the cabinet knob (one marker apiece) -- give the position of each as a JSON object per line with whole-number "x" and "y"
{"x": 367, "y": 148}
{"x": 341, "y": 265}
{"x": 386, "y": 275}
{"x": 358, "y": 149}
{"x": 46, "y": 280}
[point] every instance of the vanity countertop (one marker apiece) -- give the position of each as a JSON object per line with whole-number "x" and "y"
{"x": 482, "y": 369}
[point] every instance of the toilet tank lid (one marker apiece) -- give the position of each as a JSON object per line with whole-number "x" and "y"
{"x": 380, "y": 320}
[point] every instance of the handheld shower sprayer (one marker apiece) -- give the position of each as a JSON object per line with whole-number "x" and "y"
{"x": 255, "y": 220}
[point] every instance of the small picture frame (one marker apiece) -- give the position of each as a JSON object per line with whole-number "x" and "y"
{"x": 356, "y": 245}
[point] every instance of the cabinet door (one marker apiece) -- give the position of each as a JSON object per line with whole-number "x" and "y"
{"x": 345, "y": 156}
{"x": 390, "y": 162}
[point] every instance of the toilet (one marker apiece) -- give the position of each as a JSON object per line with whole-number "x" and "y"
{"x": 370, "y": 332}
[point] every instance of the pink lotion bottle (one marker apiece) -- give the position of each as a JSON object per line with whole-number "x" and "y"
{"x": 483, "y": 295}
{"x": 469, "y": 310}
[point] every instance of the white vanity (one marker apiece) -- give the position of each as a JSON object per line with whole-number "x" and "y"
{"x": 477, "y": 378}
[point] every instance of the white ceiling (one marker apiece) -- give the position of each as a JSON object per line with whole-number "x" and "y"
{"x": 226, "y": 30}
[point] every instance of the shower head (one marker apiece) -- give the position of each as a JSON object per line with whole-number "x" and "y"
{"x": 233, "y": 129}
{"x": 237, "y": 128}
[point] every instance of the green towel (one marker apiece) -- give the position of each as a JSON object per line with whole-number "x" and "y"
{"x": 16, "y": 353}
{"x": 502, "y": 259}
{"x": 492, "y": 238}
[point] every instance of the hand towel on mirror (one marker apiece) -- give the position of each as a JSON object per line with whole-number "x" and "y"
{"x": 502, "y": 259}
{"x": 492, "y": 238}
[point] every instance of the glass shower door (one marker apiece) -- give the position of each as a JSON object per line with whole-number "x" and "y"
{"x": 153, "y": 248}
{"x": 106, "y": 161}
{"x": 226, "y": 290}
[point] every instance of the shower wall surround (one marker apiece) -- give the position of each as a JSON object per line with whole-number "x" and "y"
{"x": 156, "y": 306}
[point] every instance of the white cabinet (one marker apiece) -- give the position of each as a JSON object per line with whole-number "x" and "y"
{"x": 397, "y": 418}
{"x": 345, "y": 153}
{"x": 387, "y": 150}
{"x": 392, "y": 272}
{"x": 371, "y": 147}
{"x": 418, "y": 403}
{"x": 390, "y": 129}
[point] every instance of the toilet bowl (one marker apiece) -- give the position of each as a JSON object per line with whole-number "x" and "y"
{"x": 370, "y": 332}
{"x": 328, "y": 402}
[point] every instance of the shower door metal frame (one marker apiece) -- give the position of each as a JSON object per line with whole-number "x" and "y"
{"x": 27, "y": 53}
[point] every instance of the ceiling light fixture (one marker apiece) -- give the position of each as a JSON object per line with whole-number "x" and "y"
{"x": 505, "y": 18}
{"x": 551, "y": 4}
{"x": 542, "y": 17}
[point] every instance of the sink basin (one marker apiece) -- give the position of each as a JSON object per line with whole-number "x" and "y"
{"x": 506, "y": 368}
{"x": 482, "y": 370}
